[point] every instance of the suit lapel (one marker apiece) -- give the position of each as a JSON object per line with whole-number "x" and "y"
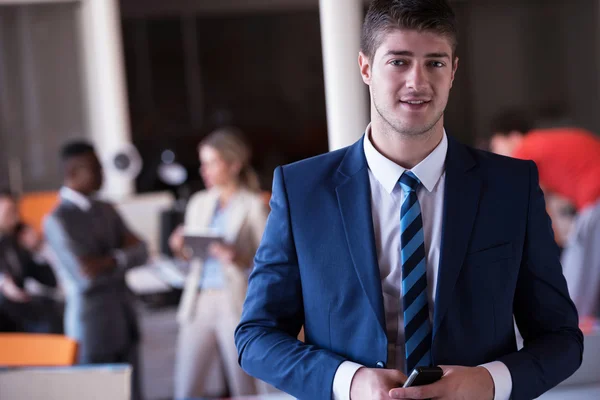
{"x": 207, "y": 211}
{"x": 354, "y": 199}
{"x": 461, "y": 199}
{"x": 236, "y": 215}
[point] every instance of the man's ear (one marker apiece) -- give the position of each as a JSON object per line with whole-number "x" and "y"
{"x": 454, "y": 68}
{"x": 365, "y": 67}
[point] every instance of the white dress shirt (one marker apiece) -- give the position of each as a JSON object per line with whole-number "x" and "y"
{"x": 80, "y": 200}
{"x": 386, "y": 200}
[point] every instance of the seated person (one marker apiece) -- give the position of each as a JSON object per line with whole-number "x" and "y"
{"x": 20, "y": 259}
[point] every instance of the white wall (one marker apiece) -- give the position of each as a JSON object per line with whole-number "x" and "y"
{"x": 40, "y": 89}
{"x": 61, "y": 77}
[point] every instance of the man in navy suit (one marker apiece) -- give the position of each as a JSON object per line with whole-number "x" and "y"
{"x": 408, "y": 248}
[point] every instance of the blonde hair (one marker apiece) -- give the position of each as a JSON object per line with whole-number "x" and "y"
{"x": 229, "y": 142}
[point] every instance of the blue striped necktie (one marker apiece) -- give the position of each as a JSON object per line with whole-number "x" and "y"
{"x": 417, "y": 328}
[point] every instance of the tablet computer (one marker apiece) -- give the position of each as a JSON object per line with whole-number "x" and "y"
{"x": 197, "y": 241}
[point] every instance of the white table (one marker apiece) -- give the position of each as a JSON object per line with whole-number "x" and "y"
{"x": 591, "y": 392}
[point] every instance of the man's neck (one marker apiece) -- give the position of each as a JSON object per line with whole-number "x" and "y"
{"x": 406, "y": 151}
{"x": 226, "y": 192}
{"x": 78, "y": 191}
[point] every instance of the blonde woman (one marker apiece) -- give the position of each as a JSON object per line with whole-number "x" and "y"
{"x": 211, "y": 304}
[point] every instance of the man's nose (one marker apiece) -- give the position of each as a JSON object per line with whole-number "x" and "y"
{"x": 416, "y": 79}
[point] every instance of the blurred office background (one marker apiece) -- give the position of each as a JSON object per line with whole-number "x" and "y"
{"x": 146, "y": 80}
{"x": 189, "y": 66}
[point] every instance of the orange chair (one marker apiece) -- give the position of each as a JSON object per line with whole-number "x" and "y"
{"x": 33, "y": 207}
{"x": 36, "y": 350}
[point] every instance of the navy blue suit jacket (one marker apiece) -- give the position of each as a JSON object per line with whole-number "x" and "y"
{"x": 317, "y": 267}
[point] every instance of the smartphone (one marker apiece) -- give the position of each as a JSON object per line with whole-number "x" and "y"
{"x": 421, "y": 376}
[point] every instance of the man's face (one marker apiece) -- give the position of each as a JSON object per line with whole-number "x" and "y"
{"x": 9, "y": 214}
{"x": 505, "y": 144}
{"x": 410, "y": 76}
{"x": 88, "y": 173}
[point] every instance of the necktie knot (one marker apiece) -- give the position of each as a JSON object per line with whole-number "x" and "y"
{"x": 409, "y": 182}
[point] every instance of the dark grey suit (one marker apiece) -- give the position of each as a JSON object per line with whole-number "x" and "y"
{"x": 99, "y": 312}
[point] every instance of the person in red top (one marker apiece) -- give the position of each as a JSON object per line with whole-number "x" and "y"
{"x": 568, "y": 160}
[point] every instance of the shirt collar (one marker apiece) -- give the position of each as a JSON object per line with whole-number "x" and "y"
{"x": 387, "y": 172}
{"x": 81, "y": 201}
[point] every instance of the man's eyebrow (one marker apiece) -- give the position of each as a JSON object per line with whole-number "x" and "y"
{"x": 437, "y": 55}
{"x": 407, "y": 53}
{"x": 400, "y": 53}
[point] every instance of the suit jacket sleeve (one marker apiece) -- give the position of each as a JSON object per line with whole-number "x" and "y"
{"x": 544, "y": 312}
{"x": 133, "y": 256}
{"x": 273, "y": 314}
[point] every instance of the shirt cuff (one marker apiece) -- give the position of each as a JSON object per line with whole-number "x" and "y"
{"x": 342, "y": 381}
{"x": 43, "y": 255}
{"x": 502, "y": 379}
{"x": 120, "y": 258}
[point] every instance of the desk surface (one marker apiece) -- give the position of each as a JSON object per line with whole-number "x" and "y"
{"x": 591, "y": 392}
{"x": 159, "y": 275}
{"x": 561, "y": 393}
{"x": 279, "y": 396}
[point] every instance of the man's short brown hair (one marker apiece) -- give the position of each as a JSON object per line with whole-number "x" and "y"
{"x": 420, "y": 15}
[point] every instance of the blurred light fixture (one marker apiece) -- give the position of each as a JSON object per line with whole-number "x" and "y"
{"x": 169, "y": 171}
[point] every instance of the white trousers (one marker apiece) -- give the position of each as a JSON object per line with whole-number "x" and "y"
{"x": 206, "y": 361}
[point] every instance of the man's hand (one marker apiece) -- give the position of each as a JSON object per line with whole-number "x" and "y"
{"x": 12, "y": 292}
{"x": 94, "y": 266}
{"x": 458, "y": 383}
{"x": 375, "y": 384}
{"x": 30, "y": 239}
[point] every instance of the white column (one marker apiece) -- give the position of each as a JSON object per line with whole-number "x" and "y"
{"x": 345, "y": 93}
{"x": 105, "y": 87}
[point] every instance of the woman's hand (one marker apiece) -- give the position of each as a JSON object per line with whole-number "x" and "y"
{"x": 176, "y": 241}
{"x": 226, "y": 254}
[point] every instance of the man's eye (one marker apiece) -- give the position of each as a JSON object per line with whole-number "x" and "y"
{"x": 397, "y": 63}
{"x": 437, "y": 64}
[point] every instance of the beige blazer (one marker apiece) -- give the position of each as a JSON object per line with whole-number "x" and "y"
{"x": 245, "y": 222}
